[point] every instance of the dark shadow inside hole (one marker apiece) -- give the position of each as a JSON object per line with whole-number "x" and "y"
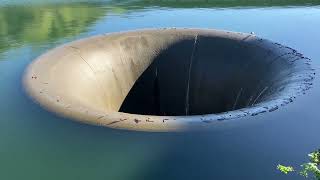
{"x": 202, "y": 75}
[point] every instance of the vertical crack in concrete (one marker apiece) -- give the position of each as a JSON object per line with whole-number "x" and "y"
{"x": 263, "y": 90}
{"x": 189, "y": 75}
{"x": 250, "y": 99}
{"x": 156, "y": 92}
{"x": 237, "y": 98}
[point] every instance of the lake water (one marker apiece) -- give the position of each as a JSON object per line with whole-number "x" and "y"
{"x": 37, "y": 145}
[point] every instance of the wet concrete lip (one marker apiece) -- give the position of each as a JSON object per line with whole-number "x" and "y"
{"x": 167, "y": 79}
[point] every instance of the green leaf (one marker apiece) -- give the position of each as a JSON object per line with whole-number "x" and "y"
{"x": 285, "y": 169}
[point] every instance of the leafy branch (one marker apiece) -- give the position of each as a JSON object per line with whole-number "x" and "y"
{"x": 311, "y": 167}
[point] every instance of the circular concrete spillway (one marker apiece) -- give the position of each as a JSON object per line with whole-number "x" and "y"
{"x": 167, "y": 79}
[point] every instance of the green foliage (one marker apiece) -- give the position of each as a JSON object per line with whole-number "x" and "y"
{"x": 36, "y": 24}
{"x": 311, "y": 167}
{"x": 285, "y": 169}
{"x": 315, "y": 157}
{"x": 51, "y": 20}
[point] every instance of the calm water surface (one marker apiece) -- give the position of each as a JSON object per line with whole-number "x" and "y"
{"x": 37, "y": 145}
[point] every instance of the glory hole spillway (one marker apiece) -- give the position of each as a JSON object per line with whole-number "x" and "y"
{"x": 167, "y": 79}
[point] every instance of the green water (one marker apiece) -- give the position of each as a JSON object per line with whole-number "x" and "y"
{"x": 37, "y": 145}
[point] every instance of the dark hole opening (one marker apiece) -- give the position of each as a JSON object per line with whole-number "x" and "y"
{"x": 203, "y": 75}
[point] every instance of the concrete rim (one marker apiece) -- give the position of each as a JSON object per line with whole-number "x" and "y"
{"x": 37, "y": 88}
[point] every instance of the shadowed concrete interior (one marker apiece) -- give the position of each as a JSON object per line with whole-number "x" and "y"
{"x": 205, "y": 75}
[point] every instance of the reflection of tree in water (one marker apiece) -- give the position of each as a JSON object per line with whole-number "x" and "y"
{"x": 36, "y": 24}
{"x": 40, "y": 23}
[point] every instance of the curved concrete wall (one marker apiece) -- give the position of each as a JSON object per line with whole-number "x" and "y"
{"x": 159, "y": 78}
